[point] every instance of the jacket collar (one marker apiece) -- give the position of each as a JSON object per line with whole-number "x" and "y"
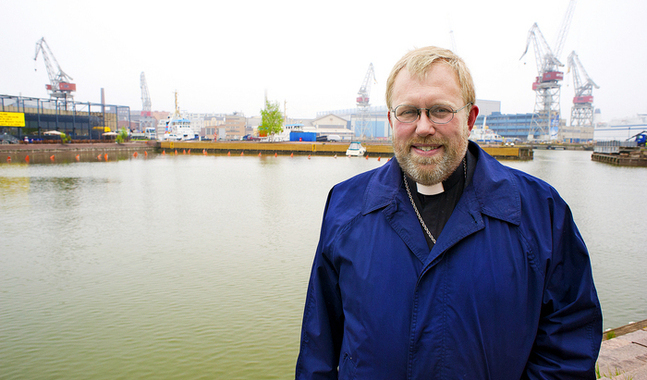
{"x": 492, "y": 192}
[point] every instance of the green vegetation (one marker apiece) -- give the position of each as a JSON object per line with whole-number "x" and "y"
{"x": 272, "y": 119}
{"x": 65, "y": 138}
{"x": 122, "y": 136}
{"x": 611, "y": 335}
{"x": 611, "y": 374}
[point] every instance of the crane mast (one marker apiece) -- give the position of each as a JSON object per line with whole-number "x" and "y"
{"x": 60, "y": 84}
{"x": 582, "y": 110}
{"x": 363, "y": 102}
{"x": 547, "y": 85}
{"x": 146, "y": 120}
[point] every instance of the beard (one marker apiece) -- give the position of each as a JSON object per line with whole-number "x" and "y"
{"x": 430, "y": 171}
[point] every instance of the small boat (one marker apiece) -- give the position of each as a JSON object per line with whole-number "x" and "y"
{"x": 355, "y": 149}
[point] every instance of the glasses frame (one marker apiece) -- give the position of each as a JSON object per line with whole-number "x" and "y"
{"x": 427, "y": 112}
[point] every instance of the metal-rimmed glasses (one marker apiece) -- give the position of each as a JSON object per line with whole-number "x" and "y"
{"x": 439, "y": 114}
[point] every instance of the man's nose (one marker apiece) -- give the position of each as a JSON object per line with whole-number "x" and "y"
{"x": 425, "y": 126}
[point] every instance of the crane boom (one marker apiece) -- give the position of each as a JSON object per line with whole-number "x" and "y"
{"x": 60, "y": 84}
{"x": 146, "y": 99}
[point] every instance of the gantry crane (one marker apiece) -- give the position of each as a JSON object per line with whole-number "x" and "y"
{"x": 582, "y": 110}
{"x": 363, "y": 102}
{"x": 60, "y": 85}
{"x": 547, "y": 85}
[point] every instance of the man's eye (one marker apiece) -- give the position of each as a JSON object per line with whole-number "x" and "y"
{"x": 440, "y": 111}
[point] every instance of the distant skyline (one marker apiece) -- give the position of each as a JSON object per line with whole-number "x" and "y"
{"x": 223, "y": 58}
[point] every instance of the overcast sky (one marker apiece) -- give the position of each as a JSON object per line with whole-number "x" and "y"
{"x": 222, "y": 56}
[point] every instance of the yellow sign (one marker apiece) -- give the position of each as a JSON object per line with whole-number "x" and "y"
{"x": 12, "y": 119}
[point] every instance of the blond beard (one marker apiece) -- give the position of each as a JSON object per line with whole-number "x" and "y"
{"x": 430, "y": 171}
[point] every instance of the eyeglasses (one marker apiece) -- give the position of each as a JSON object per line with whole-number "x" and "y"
{"x": 437, "y": 114}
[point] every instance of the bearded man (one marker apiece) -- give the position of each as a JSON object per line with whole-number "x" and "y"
{"x": 443, "y": 263}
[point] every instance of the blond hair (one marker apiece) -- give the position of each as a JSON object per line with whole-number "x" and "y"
{"x": 419, "y": 61}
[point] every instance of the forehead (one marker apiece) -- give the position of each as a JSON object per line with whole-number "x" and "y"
{"x": 438, "y": 84}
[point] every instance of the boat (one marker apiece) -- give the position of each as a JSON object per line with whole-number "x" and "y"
{"x": 355, "y": 149}
{"x": 178, "y": 128}
{"x": 485, "y": 135}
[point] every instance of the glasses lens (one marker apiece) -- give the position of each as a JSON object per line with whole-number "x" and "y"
{"x": 441, "y": 114}
{"x": 406, "y": 114}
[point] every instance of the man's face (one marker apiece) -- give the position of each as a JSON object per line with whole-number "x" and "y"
{"x": 428, "y": 152}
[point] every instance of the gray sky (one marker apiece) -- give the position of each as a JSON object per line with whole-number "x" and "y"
{"x": 221, "y": 56}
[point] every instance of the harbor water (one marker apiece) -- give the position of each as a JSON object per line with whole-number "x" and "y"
{"x": 196, "y": 267}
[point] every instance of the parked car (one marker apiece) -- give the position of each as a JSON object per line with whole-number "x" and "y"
{"x": 251, "y": 138}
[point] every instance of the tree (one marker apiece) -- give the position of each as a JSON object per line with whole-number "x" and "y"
{"x": 272, "y": 119}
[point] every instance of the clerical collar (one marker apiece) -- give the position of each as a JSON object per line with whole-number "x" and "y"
{"x": 455, "y": 178}
{"x": 430, "y": 190}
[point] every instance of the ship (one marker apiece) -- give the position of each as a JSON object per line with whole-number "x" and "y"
{"x": 178, "y": 128}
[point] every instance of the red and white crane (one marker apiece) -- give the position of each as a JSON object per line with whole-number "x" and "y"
{"x": 582, "y": 110}
{"x": 547, "y": 85}
{"x": 60, "y": 84}
{"x": 363, "y": 102}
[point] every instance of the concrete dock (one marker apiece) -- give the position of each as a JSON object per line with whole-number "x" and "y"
{"x": 624, "y": 355}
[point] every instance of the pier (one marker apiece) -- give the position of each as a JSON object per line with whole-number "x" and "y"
{"x": 321, "y": 148}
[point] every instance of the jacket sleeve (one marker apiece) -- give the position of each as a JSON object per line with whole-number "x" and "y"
{"x": 570, "y": 327}
{"x": 321, "y": 330}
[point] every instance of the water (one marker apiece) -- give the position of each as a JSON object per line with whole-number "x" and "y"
{"x": 190, "y": 267}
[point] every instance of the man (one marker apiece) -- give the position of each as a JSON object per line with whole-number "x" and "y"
{"x": 443, "y": 263}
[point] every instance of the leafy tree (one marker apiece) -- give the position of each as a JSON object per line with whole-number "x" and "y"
{"x": 122, "y": 136}
{"x": 272, "y": 119}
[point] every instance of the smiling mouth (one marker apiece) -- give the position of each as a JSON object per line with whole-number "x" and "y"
{"x": 426, "y": 148}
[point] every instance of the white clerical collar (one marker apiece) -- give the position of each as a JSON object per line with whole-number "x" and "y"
{"x": 430, "y": 190}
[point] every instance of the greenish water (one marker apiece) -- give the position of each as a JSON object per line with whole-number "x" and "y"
{"x": 191, "y": 267}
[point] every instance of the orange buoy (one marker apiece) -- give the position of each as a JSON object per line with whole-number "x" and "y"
{"x": 135, "y": 154}
{"x": 229, "y": 153}
{"x": 308, "y": 157}
{"x": 145, "y": 154}
{"x": 176, "y": 152}
{"x": 51, "y": 157}
{"x": 8, "y": 158}
{"x": 275, "y": 154}
{"x": 184, "y": 151}
{"x": 189, "y": 151}
{"x": 242, "y": 153}
{"x": 367, "y": 156}
{"x": 99, "y": 157}
{"x": 27, "y": 159}
{"x": 379, "y": 158}
{"x": 204, "y": 151}
{"x": 163, "y": 152}
{"x": 259, "y": 154}
{"x": 78, "y": 157}
{"x": 291, "y": 154}
{"x": 105, "y": 156}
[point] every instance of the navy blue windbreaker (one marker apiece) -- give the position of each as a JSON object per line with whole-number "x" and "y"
{"x": 506, "y": 293}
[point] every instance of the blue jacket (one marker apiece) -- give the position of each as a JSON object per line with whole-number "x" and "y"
{"x": 506, "y": 293}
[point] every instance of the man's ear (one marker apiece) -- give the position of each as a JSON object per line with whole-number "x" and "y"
{"x": 471, "y": 118}
{"x": 388, "y": 115}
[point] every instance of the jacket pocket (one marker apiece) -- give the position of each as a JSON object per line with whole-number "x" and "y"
{"x": 347, "y": 368}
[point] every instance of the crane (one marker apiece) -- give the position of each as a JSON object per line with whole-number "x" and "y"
{"x": 363, "y": 99}
{"x": 146, "y": 121}
{"x": 60, "y": 84}
{"x": 547, "y": 85}
{"x": 582, "y": 110}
